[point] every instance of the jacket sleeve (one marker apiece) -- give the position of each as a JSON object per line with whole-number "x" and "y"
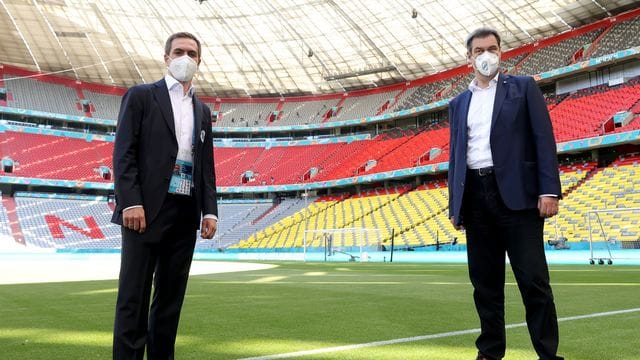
{"x": 125, "y": 151}
{"x": 209, "y": 204}
{"x": 452, "y": 157}
{"x": 544, "y": 141}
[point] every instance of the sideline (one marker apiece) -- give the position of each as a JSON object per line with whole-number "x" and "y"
{"x": 31, "y": 268}
{"x": 423, "y": 337}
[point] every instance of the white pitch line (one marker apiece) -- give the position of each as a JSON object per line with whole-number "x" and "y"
{"x": 422, "y": 337}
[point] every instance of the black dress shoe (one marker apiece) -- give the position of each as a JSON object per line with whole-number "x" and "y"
{"x": 482, "y": 356}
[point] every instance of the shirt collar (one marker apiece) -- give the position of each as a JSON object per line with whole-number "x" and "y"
{"x": 473, "y": 86}
{"x": 172, "y": 83}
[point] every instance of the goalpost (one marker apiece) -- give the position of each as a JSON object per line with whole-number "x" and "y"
{"x": 613, "y": 231}
{"x": 347, "y": 244}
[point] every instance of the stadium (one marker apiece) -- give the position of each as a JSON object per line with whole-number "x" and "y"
{"x": 331, "y": 144}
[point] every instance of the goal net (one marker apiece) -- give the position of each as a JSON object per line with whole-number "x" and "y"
{"x": 613, "y": 234}
{"x": 348, "y": 244}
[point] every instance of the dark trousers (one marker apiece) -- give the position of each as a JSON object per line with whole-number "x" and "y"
{"x": 162, "y": 256}
{"x": 492, "y": 229}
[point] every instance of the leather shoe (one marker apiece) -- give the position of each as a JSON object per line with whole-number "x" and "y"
{"x": 482, "y": 356}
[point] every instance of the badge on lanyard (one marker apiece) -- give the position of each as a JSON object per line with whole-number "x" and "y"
{"x": 182, "y": 178}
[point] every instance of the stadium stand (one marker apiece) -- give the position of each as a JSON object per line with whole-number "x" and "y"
{"x": 234, "y": 219}
{"x": 244, "y": 114}
{"x": 554, "y": 56}
{"x": 6, "y": 238}
{"x": 40, "y": 95}
{"x": 61, "y": 223}
{"x": 427, "y": 147}
{"x": 614, "y": 187}
{"x": 621, "y": 36}
{"x": 421, "y": 95}
{"x": 238, "y": 224}
{"x": 104, "y": 106}
{"x": 355, "y": 107}
{"x": 418, "y": 216}
{"x": 56, "y": 157}
{"x": 581, "y": 115}
{"x": 435, "y": 227}
{"x": 305, "y": 112}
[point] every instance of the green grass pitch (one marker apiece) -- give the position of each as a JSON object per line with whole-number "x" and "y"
{"x": 296, "y": 307}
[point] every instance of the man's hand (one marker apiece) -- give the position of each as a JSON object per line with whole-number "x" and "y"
{"x": 457, "y": 227}
{"x": 208, "y": 228}
{"x": 133, "y": 219}
{"x": 548, "y": 206}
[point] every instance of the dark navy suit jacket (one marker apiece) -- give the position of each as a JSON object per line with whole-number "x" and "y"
{"x": 523, "y": 147}
{"x": 146, "y": 148}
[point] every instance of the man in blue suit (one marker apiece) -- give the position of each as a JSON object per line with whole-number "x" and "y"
{"x": 503, "y": 183}
{"x": 164, "y": 185}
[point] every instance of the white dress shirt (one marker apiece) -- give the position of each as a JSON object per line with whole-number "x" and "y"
{"x": 479, "y": 124}
{"x": 182, "y": 107}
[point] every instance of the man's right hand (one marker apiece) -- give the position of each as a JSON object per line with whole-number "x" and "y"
{"x": 453, "y": 222}
{"x": 133, "y": 219}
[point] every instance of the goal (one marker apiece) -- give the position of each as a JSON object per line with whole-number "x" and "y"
{"x": 613, "y": 234}
{"x": 340, "y": 245}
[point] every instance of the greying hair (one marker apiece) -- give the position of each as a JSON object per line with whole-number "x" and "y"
{"x": 481, "y": 33}
{"x": 181, "y": 35}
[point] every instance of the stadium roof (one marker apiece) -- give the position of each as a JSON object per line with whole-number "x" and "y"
{"x": 274, "y": 48}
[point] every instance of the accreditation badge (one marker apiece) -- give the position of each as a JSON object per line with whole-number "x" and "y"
{"x": 182, "y": 178}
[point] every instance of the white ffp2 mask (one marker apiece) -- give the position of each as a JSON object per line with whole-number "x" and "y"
{"x": 487, "y": 63}
{"x": 183, "y": 68}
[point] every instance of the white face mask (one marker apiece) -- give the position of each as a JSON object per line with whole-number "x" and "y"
{"x": 183, "y": 68}
{"x": 487, "y": 63}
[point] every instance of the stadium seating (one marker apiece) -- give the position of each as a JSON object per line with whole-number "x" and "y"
{"x": 581, "y": 115}
{"x": 410, "y": 153}
{"x": 104, "y": 106}
{"x": 556, "y": 55}
{"x": 40, "y": 95}
{"x": 621, "y": 36}
{"x": 56, "y": 157}
{"x": 305, "y": 112}
{"x": 234, "y": 223}
{"x": 614, "y": 187}
{"x": 356, "y": 107}
{"x": 6, "y": 238}
{"x": 57, "y": 223}
{"x": 244, "y": 114}
{"x": 418, "y": 217}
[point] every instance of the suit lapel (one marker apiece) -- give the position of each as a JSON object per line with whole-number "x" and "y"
{"x": 465, "y": 100}
{"x": 197, "y": 125}
{"x": 501, "y": 93}
{"x": 161, "y": 95}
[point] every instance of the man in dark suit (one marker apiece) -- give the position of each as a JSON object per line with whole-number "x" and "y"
{"x": 503, "y": 183}
{"x": 164, "y": 184}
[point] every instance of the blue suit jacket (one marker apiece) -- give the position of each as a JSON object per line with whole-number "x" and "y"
{"x": 523, "y": 147}
{"x": 146, "y": 148}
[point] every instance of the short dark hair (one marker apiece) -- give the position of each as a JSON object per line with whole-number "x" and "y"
{"x": 481, "y": 33}
{"x": 179, "y": 35}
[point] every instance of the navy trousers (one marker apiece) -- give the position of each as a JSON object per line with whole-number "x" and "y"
{"x": 160, "y": 256}
{"x": 492, "y": 230}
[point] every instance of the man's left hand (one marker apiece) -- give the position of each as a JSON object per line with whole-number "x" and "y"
{"x": 208, "y": 228}
{"x": 548, "y": 206}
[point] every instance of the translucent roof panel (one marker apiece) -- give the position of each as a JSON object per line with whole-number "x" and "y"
{"x": 274, "y": 48}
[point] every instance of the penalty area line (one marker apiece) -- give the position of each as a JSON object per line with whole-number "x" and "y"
{"x": 423, "y": 337}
